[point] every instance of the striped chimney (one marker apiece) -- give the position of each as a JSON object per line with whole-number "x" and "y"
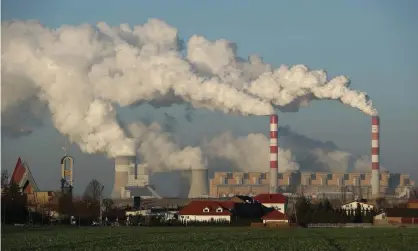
{"x": 375, "y": 182}
{"x": 273, "y": 153}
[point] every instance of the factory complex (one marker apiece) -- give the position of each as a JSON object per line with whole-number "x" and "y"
{"x": 132, "y": 180}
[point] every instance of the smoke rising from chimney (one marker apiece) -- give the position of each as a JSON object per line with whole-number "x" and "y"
{"x": 82, "y": 72}
{"x": 158, "y": 149}
{"x": 296, "y": 152}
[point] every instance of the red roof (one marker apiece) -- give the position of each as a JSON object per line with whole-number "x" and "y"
{"x": 275, "y": 215}
{"x": 271, "y": 198}
{"x": 197, "y": 207}
{"x": 23, "y": 177}
{"x": 18, "y": 172}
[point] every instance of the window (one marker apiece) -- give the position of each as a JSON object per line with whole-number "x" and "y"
{"x": 313, "y": 176}
{"x": 346, "y": 176}
{"x": 280, "y": 176}
{"x": 362, "y": 176}
{"x": 329, "y": 176}
{"x": 219, "y": 210}
{"x": 263, "y": 176}
{"x": 229, "y": 175}
{"x": 206, "y": 210}
{"x": 246, "y": 176}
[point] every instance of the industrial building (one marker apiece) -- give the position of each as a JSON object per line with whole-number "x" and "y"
{"x": 228, "y": 184}
{"x": 131, "y": 180}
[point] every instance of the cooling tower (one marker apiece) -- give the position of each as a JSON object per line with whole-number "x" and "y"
{"x": 199, "y": 186}
{"x": 375, "y": 182}
{"x": 273, "y": 153}
{"x": 185, "y": 181}
{"x": 123, "y": 166}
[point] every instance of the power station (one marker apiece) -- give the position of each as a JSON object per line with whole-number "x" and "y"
{"x": 132, "y": 180}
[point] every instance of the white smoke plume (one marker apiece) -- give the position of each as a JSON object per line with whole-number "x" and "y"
{"x": 82, "y": 72}
{"x": 251, "y": 153}
{"x": 161, "y": 153}
{"x": 288, "y": 88}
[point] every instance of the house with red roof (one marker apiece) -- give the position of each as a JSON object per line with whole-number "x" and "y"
{"x": 276, "y": 200}
{"x": 275, "y": 217}
{"x": 22, "y": 176}
{"x": 206, "y": 210}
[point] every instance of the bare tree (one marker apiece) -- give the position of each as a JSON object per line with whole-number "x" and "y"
{"x": 93, "y": 191}
{"x": 4, "y": 179}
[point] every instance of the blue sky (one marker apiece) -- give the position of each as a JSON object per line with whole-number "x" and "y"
{"x": 374, "y": 43}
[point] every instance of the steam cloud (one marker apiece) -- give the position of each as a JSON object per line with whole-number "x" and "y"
{"x": 82, "y": 72}
{"x": 161, "y": 153}
{"x": 296, "y": 152}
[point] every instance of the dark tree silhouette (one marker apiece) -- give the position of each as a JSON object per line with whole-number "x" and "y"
{"x": 93, "y": 191}
{"x": 303, "y": 207}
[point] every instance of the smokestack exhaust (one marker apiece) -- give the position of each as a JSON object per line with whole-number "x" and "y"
{"x": 273, "y": 153}
{"x": 375, "y": 182}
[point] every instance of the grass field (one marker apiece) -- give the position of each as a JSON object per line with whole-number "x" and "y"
{"x": 209, "y": 238}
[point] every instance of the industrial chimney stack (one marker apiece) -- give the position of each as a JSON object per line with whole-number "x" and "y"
{"x": 273, "y": 153}
{"x": 375, "y": 182}
{"x": 123, "y": 166}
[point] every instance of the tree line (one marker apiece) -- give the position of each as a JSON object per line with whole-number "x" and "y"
{"x": 323, "y": 212}
{"x": 85, "y": 209}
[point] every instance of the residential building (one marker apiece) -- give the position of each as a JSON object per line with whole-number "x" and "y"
{"x": 277, "y": 201}
{"x": 402, "y": 215}
{"x": 275, "y": 217}
{"x": 206, "y": 210}
{"x": 363, "y": 204}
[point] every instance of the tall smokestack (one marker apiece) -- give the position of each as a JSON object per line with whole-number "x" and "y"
{"x": 199, "y": 185}
{"x": 123, "y": 166}
{"x": 273, "y": 153}
{"x": 375, "y": 182}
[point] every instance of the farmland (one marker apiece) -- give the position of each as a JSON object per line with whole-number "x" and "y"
{"x": 208, "y": 238}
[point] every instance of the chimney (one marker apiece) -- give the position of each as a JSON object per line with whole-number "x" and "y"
{"x": 123, "y": 165}
{"x": 199, "y": 186}
{"x": 273, "y": 153}
{"x": 375, "y": 182}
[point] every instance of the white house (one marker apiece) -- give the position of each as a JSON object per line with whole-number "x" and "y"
{"x": 277, "y": 201}
{"x": 206, "y": 211}
{"x": 275, "y": 217}
{"x": 353, "y": 206}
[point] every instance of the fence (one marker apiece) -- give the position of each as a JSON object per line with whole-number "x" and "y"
{"x": 340, "y": 225}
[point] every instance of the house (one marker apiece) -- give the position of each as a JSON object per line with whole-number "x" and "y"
{"x": 277, "y": 201}
{"x": 412, "y": 204}
{"x": 353, "y": 206}
{"x": 275, "y": 216}
{"x": 206, "y": 210}
{"x": 402, "y": 215}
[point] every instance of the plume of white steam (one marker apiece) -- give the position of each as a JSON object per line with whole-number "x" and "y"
{"x": 247, "y": 153}
{"x": 161, "y": 153}
{"x": 81, "y": 72}
{"x": 251, "y": 153}
{"x": 286, "y": 88}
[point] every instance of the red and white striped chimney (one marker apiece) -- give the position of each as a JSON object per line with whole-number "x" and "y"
{"x": 273, "y": 153}
{"x": 375, "y": 182}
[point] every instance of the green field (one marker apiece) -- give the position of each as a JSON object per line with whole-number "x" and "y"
{"x": 208, "y": 238}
